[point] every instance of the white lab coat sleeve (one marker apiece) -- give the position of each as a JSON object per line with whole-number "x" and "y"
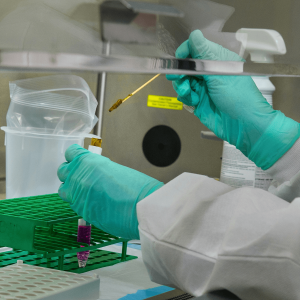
{"x": 200, "y": 235}
{"x": 286, "y": 175}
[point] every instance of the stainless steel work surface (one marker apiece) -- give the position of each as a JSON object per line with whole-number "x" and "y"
{"x": 220, "y": 295}
{"x": 180, "y": 295}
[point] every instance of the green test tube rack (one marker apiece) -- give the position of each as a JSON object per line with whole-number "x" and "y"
{"x": 42, "y": 230}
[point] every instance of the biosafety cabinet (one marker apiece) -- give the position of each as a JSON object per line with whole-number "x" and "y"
{"x": 118, "y": 45}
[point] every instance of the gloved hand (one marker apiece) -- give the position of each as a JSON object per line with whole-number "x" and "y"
{"x": 104, "y": 193}
{"x": 232, "y": 106}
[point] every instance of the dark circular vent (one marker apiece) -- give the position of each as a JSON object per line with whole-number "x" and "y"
{"x": 161, "y": 146}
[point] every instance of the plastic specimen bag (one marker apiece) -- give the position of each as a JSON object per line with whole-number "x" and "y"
{"x": 46, "y": 116}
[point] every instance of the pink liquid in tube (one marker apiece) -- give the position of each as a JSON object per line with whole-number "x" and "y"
{"x": 84, "y": 236}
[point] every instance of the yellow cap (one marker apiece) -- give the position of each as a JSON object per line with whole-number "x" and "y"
{"x": 96, "y": 142}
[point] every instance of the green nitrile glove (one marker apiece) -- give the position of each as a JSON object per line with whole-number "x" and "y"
{"x": 104, "y": 193}
{"x": 233, "y": 107}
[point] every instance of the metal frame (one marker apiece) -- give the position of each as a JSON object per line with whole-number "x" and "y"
{"x": 101, "y": 96}
{"x": 54, "y": 62}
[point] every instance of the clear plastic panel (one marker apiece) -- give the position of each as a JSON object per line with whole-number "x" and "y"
{"x": 42, "y": 35}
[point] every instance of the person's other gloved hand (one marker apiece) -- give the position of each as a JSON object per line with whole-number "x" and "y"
{"x": 104, "y": 193}
{"x": 232, "y": 106}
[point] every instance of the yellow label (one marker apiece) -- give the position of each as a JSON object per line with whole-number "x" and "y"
{"x": 164, "y": 102}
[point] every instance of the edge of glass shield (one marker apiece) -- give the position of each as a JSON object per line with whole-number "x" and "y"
{"x": 45, "y": 61}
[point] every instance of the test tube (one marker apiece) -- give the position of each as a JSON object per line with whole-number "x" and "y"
{"x": 84, "y": 228}
{"x": 84, "y": 236}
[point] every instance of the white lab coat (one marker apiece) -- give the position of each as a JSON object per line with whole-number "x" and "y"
{"x": 201, "y": 235}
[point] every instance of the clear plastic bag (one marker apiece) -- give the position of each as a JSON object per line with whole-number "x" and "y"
{"x": 59, "y": 105}
{"x": 45, "y": 117}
